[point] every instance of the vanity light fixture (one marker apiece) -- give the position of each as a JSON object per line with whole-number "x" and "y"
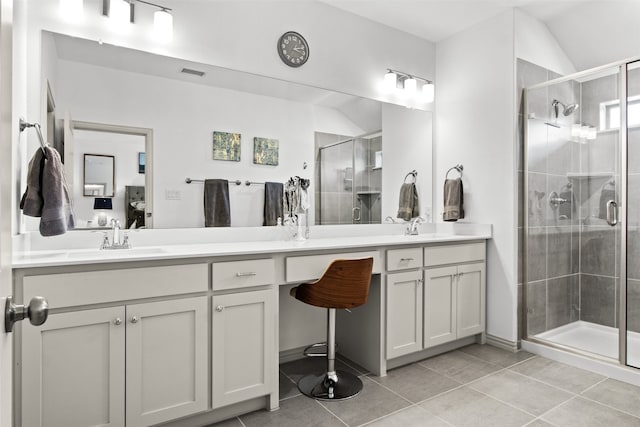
{"x": 409, "y": 85}
{"x": 72, "y": 10}
{"x": 123, "y": 11}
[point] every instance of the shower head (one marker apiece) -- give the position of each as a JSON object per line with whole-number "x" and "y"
{"x": 566, "y": 109}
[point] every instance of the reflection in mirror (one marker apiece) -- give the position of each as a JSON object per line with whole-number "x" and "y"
{"x": 102, "y": 83}
{"x": 98, "y": 175}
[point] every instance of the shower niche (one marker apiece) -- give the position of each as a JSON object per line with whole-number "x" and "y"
{"x": 349, "y": 177}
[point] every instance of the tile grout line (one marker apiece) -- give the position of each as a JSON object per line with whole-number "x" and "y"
{"x": 331, "y": 412}
{"x": 593, "y": 385}
{"x": 415, "y": 405}
{"x": 241, "y": 422}
{"x": 556, "y": 407}
{"x": 609, "y": 406}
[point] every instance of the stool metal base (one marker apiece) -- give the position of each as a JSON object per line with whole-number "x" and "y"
{"x": 343, "y": 385}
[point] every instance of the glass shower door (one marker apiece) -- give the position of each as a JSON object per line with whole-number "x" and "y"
{"x": 632, "y": 314}
{"x": 336, "y": 184}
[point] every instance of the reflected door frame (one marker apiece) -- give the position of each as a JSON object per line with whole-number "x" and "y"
{"x": 146, "y": 133}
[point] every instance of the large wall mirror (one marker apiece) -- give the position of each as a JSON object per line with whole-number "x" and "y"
{"x": 183, "y": 103}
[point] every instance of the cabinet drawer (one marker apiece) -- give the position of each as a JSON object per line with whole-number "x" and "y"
{"x": 403, "y": 259}
{"x": 311, "y": 267}
{"x": 95, "y": 287}
{"x": 242, "y": 274}
{"x": 452, "y": 254}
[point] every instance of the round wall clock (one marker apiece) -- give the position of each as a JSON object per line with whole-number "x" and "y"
{"x": 293, "y": 49}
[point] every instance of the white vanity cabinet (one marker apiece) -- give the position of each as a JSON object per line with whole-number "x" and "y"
{"x": 243, "y": 331}
{"x": 448, "y": 304}
{"x": 454, "y": 294}
{"x": 135, "y": 364}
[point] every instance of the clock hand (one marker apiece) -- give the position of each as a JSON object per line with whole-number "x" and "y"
{"x": 299, "y": 49}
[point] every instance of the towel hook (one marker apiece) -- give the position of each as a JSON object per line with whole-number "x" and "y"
{"x": 458, "y": 168}
{"x": 414, "y": 174}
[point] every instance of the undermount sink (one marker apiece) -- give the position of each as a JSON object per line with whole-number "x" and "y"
{"x": 116, "y": 252}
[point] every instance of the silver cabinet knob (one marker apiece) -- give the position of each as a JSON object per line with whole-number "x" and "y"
{"x": 118, "y": 321}
{"x": 37, "y": 311}
{"x": 135, "y": 319}
{"x": 219, "y": 308}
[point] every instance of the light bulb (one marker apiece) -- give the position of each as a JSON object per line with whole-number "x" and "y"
{"x": 120, "y": 12}
{"x": 410, "y": 86}
{"x": 592, "y": 133}
{"x": 584, "y": 131}
{"x": 390, "y": 81}
{"x": 575, "y": 130}
{"x": 72, "y": 10}
{"x": 428, "y": 92}
{"x": 163, "y": 26}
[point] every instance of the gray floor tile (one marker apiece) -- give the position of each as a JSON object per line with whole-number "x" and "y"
{"x": 460, "y": 366}
{"x": 567, "y": 377}
{"x": 467, "y": 407}
{"x": 416, "y": 383}
{"x": 311, "y": 365}
{"x": 538, "y": 423}
{"x": 619, "y": 395}
{"x": 294, "y": 412}
{"x": 411, "y": 417}
{"x": 522, "y": 392}
{"x": 233, "y": 422}
{"x": 372, "y": 403}
{"x": 287, "y": 387}
{"x": 585, "y": 413}
{"x": 496, "y": 355}
{"x": 352, "y": 364}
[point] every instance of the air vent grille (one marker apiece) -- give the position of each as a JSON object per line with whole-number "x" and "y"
{"x": 193, "y": 72}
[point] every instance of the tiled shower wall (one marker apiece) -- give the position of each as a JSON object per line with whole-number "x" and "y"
{"x": 573, "y": 252}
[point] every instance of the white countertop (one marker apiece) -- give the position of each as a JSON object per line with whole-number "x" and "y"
{"x": 65, "y": 257}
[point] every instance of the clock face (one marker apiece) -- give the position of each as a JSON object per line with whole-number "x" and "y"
{"x": 293, "y": 49}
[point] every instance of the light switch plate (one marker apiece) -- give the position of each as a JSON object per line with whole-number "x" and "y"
{"x": 171, "y": 194}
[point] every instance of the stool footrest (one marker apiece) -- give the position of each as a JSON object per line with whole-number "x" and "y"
{"x": 308, "y": 351}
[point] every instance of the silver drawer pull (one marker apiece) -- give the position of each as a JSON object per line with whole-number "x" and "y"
{"x": 135, "y": 319}
{"x": 117, "y": 321}
{"x": 219, "y": 308}
{"x": 246, "y": 274}
{"x": 407, "y": 259}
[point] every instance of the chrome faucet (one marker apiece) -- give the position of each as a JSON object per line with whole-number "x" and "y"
{"x": 412, "y": 228}
{"x": 116, "y": 242}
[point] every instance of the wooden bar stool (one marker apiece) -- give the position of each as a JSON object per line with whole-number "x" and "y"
{"x": 345, "y": 284}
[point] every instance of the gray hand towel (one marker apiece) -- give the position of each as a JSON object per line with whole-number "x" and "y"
{"x": 47, "y": 194}
{"x": 453, "y": 200}
{"x": 217, "y": 211}
{"x": 409, "y": 206}
{"x": 273, "y": 194}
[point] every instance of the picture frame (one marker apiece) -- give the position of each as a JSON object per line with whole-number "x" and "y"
{"x": 142, "y": 160}
{"x": 266, "y": 151}
{"x": 226, "y": 146}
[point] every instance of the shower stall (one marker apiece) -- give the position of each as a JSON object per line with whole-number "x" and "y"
{"x": 349, "y": 181}
{"x": 581, "y": 262}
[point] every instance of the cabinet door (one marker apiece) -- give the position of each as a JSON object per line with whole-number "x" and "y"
{"x": 404, "y": 313}
{"x": 439, "y": 306}
{"x": 166, "y": 360}
{"x": 73, "y": 370}
{"x": 471, "y": 299}
{"x": 243, "y": 346}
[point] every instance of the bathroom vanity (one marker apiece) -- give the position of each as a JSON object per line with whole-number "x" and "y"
{"x": 193, "y": 333}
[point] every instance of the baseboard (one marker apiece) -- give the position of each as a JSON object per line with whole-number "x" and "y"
{"x": 502, "y": 343}
{"x": 291, "y": 355}
{"x": 430, "y": 352}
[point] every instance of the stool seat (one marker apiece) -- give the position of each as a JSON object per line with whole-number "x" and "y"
{"x": 344, "y": 284}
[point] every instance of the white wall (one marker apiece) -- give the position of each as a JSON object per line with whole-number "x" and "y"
{"x": 125, "y": 149}
{"x": 406, "y": 145}
{"x": 183, "y": 117}
{"x": 535, "y": 43}
{"x": 475, "y": 127}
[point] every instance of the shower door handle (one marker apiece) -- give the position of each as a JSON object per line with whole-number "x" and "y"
{"x": 353, "y": 214}
{"x": 612, "y": 213}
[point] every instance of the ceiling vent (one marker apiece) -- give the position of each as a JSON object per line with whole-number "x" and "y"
{"x": 193, "y": 72}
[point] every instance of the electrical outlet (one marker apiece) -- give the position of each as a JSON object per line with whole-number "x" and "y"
{"x": 172, "y": 194}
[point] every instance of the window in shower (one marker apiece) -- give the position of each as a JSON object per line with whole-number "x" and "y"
{"x": 610, "y": 113}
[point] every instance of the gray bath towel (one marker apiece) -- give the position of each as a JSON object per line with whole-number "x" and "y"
{"x": 409, "y": 206}
{"x": 273, "y": 193}
{"x": 47, "y": 194}
{"x": 217, "y": 211}
{"x": 453, "y": 200}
